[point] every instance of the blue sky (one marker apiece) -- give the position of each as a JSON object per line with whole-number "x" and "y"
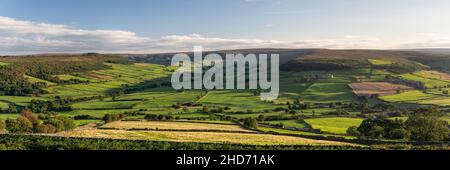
{"x": 176, "y": 25}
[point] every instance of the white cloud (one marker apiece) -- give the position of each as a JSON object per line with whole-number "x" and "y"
{"x": 26, "y": 37}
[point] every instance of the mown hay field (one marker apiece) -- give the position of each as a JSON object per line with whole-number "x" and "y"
{"x": 158, "y": 125}
{"x": 377, "y": 88}
{"x": 203, "y": 137}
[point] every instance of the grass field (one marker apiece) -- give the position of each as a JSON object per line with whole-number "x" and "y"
{"x": 434, "y": 75}
{"x": 105, "y": 105}
{"x": 4, "y": 105}
{"x": 336, "y": 125}
{"x": 8, "y": 116}
{"x": 85, "y": 122}
{"x": 21, "y": 100}
{"x": 204, "y": 137}
{"x": 328, "y": 92}
{"x": 380, "y": 62}
{"x": 157, "y": 125}
{"x": 236, "y": 100}
{"x": 290, "y": 123}
{"x": 440, "y": 101}
{"x": 426, "y": 78}
{"x": 72, "y": 77}
{"x": 35, "y": 80}
{"x": 410, "y": 96}
{"x": 103, "y": 80}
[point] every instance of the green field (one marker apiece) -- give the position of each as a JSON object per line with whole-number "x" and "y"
{"x": 418, "y": 97}
{"x": 8, "y": 116}
{"x": 290, "y": 123}
{"x": 4, "y": 105}
{"x": 328, "y": 92}
{"x": 380, "y": 62}
{"x": 34, "y": 80}
{"x": 430, "y": 82}
{"x": 410, "y": 96}
{"x": 334, "y": 125}
{"x": 236, "y": 100}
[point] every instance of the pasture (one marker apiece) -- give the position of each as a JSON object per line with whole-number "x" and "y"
{"x": 336, "y": 125}
{"x": 328, "y": 92}
{"x": 4, "y": 105}
{"x": 290, "y": 123}
{"x": 426, "y": 78}
{"x": 409, "y": 96}
{"x": 380, "y": 62}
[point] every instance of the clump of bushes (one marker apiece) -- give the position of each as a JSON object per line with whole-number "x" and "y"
{"x": 29, "y": 122}
{"x": 250, "y": 123}
{"x": 158, "y": 117}
{"x": 113, "y": 117}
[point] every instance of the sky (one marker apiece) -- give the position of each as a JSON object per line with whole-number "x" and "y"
{"x": 152, "y": 26}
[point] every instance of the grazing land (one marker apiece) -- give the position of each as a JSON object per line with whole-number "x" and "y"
{"x": 334, "y": 125}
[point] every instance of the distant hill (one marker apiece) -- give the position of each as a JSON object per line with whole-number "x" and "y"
{"x": 286, "y": 55}
{"x": 325, "y": 59}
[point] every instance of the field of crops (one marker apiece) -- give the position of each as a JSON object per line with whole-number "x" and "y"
{"x": 157, "y": 125}
{"x": 204, "y": 137}
{"x": 377, "y": 88}
{"x": 336, "y": 125}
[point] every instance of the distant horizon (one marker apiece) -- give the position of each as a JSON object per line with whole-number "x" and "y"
{"x": 219, "y": 50}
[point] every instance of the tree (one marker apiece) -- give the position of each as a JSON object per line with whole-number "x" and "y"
{"x": 33, "y": 118}
{"x": 45, "y": 128}
{"x": 251, "y": 123}
{"x": 58, "y": 124}
{"x": 12, "y": 125}
{"x": 353, "y": 131}
{"x": 399, "y": 134}
{"x": 376, "y": 132}
{"x": 19, "y": 125}
{"x": 68, "y": 123}
{"x": 2, "y": 126}
{"x": 427, "y": 127}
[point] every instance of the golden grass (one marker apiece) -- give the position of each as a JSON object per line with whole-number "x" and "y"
{"x": 155, "y": 125}
{"x": 204, "y": 137}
